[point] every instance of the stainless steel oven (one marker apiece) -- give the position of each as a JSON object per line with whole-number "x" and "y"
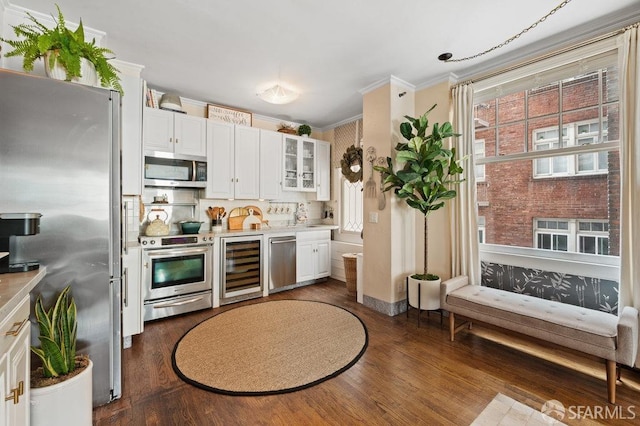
{"x": 241, "y": 268}
{"x": 176, "y": 274}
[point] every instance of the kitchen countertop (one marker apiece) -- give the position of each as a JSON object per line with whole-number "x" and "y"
{"x": 15, "y": 286}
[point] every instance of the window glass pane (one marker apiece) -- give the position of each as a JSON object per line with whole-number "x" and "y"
{"x": 544, "y": 241}
{"x": 560, "y": 165}
{"x": 351, "y": 206}
{"x": 560, "y": 242}
{"x": 485, "y": 114}
{"x": 610, "y": 85}
{"x": 511, "y": 108}
{"x": 511, "y": 139}
{"x": 586, "y": 162}
{"x": 588, "y": 245}
{"x": 580, "y": 92}
{"x": 584, "y": 226}
{"x": 603, "y": 246}
{"x": 597, "y": 226}
{"x": 544, "y": 100}
{"x": 611, "y": 121}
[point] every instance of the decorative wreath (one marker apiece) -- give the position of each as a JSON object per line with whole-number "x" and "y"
{"x": 351, "y": 157}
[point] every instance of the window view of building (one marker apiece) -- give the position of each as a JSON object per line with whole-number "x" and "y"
{"x": 562, "y": 198}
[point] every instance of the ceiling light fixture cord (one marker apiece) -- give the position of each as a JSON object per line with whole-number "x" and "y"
{"x": 509, "y": 40}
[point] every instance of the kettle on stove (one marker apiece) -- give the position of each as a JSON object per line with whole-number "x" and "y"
{"x": 157, "y": 227}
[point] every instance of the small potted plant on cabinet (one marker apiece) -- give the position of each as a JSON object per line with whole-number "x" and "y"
{"x": 63, "y": 376}
{"x": 304, "y": 130}
{"x": 66, "y": 54}
{"x": 426, "y": 178}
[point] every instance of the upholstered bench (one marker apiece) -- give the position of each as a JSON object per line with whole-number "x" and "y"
{"x": 593, "y": 332}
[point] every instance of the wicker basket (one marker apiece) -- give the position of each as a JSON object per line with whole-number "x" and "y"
{"x": 350, "y": 270}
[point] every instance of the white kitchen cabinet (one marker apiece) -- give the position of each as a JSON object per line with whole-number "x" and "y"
{"x": 323, "y": 171}
{"x": 233, "y": 161}
{"x": 270, "y": 165}
{"x": 313, "y": 255}
{"x": 298, "y": 170}
{"x": 132, "y": 313}
{"x": 131, "y": 125}
{"x": 15, "y": 366}
{"x": 174, "y": 132}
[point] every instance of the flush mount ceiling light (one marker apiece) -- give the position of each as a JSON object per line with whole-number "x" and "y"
{"x": 448, "y": 56}
{"x": 278, "y": 94}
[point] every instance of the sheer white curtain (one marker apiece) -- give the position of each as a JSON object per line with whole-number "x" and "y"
{"x": 630, "y": 166}
{"x": 464, "y": 213}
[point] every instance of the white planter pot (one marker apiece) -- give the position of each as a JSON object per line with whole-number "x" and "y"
{"x": 88, "y": 73}
{"x": 429, "y": 294}
{"x": 69, "y": 403}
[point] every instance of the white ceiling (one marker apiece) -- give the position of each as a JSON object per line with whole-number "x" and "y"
{"x": 220, "y": 51}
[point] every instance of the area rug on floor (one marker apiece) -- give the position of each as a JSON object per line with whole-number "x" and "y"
{"x": 271, "y": 347}
{"x": 503, "y": 410}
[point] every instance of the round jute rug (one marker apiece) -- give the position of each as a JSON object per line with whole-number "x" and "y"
{"x": 271, "y": 347}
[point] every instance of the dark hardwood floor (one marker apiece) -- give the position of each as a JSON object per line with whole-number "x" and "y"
{"x": 407, "y": 376}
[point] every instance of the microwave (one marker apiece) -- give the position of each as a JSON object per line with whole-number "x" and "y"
{"x": 172, "y": 170}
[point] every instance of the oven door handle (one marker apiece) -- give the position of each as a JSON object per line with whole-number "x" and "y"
{"x": 182, "y": 302}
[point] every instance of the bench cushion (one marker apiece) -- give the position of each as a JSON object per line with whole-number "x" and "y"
{"x": 583, "y": 329}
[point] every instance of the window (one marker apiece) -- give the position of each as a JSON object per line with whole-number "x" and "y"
{"x": 575, "y": 134}
{"x": 351, "y": 206}
{"x": 593, "y": 237}
{"x": 552, "y": 234}
{"x": 546, "y": 121}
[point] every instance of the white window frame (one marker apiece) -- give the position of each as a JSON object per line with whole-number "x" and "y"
{"x": 554, "y": 231}
{"x": 342, "y": 234}
{"x": 598, "y": 235}
{"x": 570, "y": 138}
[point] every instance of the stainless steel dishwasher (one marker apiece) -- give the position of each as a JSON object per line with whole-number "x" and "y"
{"x": 282, "y": 261}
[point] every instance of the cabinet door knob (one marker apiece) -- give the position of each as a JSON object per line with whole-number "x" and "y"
{"x": 176, "y": 140}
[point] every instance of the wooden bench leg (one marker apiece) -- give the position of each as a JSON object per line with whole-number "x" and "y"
{"x": 611, "y": 380}
{"x": 452, "y": 326}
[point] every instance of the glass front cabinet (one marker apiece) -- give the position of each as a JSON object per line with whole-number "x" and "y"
{"x": 299, "y": 171}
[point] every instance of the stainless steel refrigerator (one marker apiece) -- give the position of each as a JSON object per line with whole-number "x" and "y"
{"x": 60, "y": 156}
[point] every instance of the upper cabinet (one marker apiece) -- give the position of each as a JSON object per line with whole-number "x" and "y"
{"x": 323, "y": 171}
{"x": 299, "y": 164}
{"x": 270, "y": 165}
{"x": 131, "y": 118}
{"x": 233, "y": 161}
{"x": 174, "y": 132}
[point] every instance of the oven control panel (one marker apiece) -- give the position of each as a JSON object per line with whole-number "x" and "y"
{"x": 176, "y": 240}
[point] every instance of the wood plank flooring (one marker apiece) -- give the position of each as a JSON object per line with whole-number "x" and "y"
{"x": 408, "y": 376}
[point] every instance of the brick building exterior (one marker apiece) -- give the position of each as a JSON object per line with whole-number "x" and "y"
{"x": 511, "y": 196}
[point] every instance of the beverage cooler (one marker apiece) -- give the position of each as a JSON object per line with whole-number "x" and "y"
{"x": 241, "y": 268}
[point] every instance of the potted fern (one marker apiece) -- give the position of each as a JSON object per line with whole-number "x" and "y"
{"x": 426, "y": 178}
{"x": 67, "y": 55}
{"x": 64, "y": 376}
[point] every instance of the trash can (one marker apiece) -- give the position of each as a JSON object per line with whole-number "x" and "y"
{"x": 350, "y": 271}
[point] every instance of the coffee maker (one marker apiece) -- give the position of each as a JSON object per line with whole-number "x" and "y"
{"x": 16, "y": 225}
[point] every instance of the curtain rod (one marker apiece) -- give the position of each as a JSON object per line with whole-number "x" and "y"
{"x": 549, "y": 55}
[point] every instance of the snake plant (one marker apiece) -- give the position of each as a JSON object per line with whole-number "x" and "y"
{"x": 66, "y": 47}
{"x": 58, "y": 330}
{"x": 428, "y": 172}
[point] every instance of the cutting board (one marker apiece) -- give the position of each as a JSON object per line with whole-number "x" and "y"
{"x": 252, "y": 218}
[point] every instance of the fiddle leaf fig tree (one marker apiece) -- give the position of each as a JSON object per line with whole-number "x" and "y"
{"x": 428, "y": 172}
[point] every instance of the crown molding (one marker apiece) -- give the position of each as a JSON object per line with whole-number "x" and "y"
{"x": 388, "y": 80}
{"x": 450, "y": 78}
{"x": 340, "y": 123}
